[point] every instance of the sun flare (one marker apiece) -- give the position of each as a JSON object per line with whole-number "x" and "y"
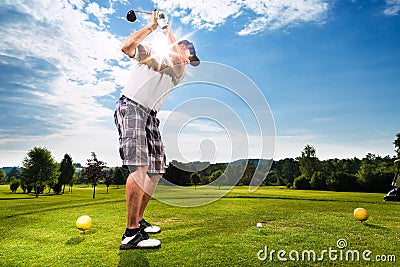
{"x": 161, "y": 46}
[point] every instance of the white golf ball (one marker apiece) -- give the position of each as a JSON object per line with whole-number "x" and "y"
{"x": 259, "y": 225}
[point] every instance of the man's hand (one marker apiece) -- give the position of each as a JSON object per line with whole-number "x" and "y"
{"x": 162, "y": 20}
{"x": 154, "y": 23}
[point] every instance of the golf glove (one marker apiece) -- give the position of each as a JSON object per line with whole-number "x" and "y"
{"x": 162, "y": 20}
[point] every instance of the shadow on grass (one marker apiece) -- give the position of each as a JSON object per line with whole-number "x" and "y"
{"x": 263, "y": 233}
{"x": 75, "y": 240}
{"x": 17, "y": 198}
{"x": 79, "y": 239}
{"x": 36, "y": 211}
{"x": 135, "y": 258}
{"x": 374, "y": 226}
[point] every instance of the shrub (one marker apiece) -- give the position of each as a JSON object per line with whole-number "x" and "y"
{"x": 376, "y": 181}
{"x": 14, "y": 184}
{"x": 57, "y": 188}
{"x": 340, "y": 181}
{"x": 302, "y": 183}
{"x": 318, "y": 181}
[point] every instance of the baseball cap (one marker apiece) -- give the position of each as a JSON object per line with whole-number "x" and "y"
{"x": 194, "y": 60}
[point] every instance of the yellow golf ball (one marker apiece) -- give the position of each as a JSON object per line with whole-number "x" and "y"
{"x": 83, "y": 223}
{"x": 361, "y": 214}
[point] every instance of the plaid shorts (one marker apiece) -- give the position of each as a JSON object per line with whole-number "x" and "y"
{"x": 140, "y": 141}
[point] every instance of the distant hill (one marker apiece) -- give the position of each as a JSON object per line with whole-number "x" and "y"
{"x": 7, "y": 169}
{"x": 254, "y": 161}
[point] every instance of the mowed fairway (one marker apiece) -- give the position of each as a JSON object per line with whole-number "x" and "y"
{"x": 41, "y": 231}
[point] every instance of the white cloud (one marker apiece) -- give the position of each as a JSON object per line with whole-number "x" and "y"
{"x": 83, "y": 62}
{"x": 392, "y": 7}
{"x": 100, "y": 13}
{"x": 77, "y": 3}
{"x": 78, "y": 48}
{"x": 270, "y": 14}
{"x": 79, "y": 143}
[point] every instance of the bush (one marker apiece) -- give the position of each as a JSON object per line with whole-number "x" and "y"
{"x": 14, "y": 184}
{"x": 377, "y": 181}
{"x": 318, "y": 181}
{"x": 302, "y": 183}
{"x": 342, "y": 182}
{"x": 57, "y": 188}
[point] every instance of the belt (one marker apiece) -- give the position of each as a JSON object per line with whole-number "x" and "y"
{"x": 149, "y": 111}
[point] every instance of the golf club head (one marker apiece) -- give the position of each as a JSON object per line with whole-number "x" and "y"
{"x": 131, "y": 16}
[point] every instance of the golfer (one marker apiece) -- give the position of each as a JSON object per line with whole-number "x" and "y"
{"x": 140, "y": 145}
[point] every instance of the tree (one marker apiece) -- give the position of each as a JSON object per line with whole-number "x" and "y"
{"x": 57, "y": 188}
{"x": 53, "y": 182}
{"x": 308, "y": 162}
{"x": 67, "y": 171}
{"x": 39, "y": 168}
{"x": 375, "y": 173}
{"x": 71, "y": 183}
{"x": 290, "y": 170}
{"x": 176, "y": 175}
{"x": 13, "y": 172}
{"x": 218, "y": 178}
{"x": 273, "y": 178}
{"x": 26, "y": 185}
{"x": 195, "y": 178}
{"x": 3, "y": 176}
{"x": 119, "y": 176}
{"x": 108, "y": 180}
{"x": 397, "y": 145}
{"x": 95, "y": 171}
{"x": 341, "y": 182}
{"x": 249, "y": 170}
{"x": 318, "y": 181}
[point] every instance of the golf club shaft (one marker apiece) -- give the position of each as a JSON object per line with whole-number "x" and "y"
{"x": 144, "y": 12}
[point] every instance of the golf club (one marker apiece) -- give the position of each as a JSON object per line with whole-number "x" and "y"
{"x": 131, "y": 15}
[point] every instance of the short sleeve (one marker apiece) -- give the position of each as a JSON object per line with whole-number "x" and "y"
{"x": 143, "y": 52}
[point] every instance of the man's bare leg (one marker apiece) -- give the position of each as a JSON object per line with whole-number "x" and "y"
{"x": 150, "y": 184}
{"x": 133, "y": 236}
{"x": 135, "y": 192}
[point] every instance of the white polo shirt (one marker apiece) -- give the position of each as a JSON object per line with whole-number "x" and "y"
{"x": 150, "y": 80}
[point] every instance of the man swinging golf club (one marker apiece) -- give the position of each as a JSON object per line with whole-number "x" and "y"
{"x": 141, "y": 148}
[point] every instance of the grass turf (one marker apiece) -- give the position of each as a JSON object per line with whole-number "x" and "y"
{"x": 41, "y": 231}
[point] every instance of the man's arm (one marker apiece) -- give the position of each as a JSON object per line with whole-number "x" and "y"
{"x": 129, "y": 45}
{"x": 176, "y": 52}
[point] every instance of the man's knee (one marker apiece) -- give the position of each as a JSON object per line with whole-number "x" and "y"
{"x": 137, "y": 174}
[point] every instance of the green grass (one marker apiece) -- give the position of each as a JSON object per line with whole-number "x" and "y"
{"x": 41, "y": 231}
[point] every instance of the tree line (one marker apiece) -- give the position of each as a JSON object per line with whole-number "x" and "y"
{"x": 373, "y": 173}
{"x": 40, "y": 171}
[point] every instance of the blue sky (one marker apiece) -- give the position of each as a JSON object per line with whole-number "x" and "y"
{"x": 328, "y": 70}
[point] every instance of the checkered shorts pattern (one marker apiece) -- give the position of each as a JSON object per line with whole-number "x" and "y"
{"x": 140, "y": 141}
